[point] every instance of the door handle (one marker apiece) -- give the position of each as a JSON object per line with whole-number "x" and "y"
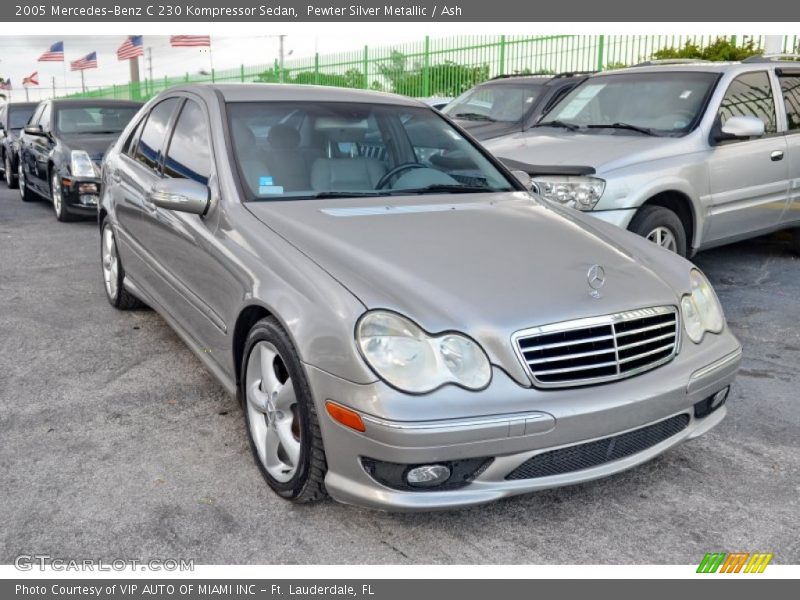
{"x": 776, "y": 156}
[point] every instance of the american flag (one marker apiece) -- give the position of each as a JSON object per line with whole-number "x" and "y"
{"x": 5, "y": 85}
{"x": 180, "y": 41}
{"x": 32, "y": 79}
{"x": 54, "y": 54}
{"x": 132, "y": 48}
{"x": 87, "y": 62}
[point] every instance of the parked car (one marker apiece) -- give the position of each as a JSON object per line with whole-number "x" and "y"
{"x": 688, "y": 156}
{"x": 13, "y": 117}
{"x": 405, "y": 325}
{"x": 61, "y": 148}
{"x": 437, "y": 102}
{"x": 509, "y": 103}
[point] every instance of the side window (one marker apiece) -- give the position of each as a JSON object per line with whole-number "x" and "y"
{"x": 750, "y": 95}
{"x": 44, "y": 118}
{"x": 150, "y": 146}
{"x": 133, "y": 138}
{"x": 189, "y": 154}
{"x": 790, "y": 87}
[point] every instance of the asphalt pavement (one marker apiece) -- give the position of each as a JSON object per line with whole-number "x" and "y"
{"x": 116, "y": 443}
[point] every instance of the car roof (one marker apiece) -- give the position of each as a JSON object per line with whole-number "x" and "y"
{"x": 702, "y": 67}
{"x": 278, "y": 92}
{"x": 79, "y": 102}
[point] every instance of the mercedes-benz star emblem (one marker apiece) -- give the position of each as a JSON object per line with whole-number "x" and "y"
{"x": 597, "y": 279}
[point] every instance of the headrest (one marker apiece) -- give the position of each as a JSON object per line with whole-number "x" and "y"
{"x": 283, "y": 137}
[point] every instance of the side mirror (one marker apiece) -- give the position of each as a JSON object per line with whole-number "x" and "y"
{"x": 523, "y": 178}
{"x": 741, "y": 127}
{"x": 34, "y": 130}
{"x": 184, "y": 195}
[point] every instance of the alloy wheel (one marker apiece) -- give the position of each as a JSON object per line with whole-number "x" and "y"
{"x": 110, "y": 263}
{"x": 21, "y": 180}
{"x": 272, "y": 412}
{"x": 55, "y": 193}
{"x": 8, "y": 174}
{"x": 663, "y": 237}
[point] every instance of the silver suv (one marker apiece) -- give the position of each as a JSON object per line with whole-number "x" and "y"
{"x": 689, "y": 156}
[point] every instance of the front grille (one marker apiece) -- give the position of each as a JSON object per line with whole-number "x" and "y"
{"x": 599, "y": 349}
{"x": 592, "y": 454}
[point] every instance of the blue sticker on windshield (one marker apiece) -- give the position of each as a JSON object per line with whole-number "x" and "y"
{"x": 264, "y": 181}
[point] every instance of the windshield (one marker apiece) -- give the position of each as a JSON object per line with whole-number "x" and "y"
{"x": 665, "y": 103}
{"x": 295, "y": 150}
{"x": 19, "y": 117}
{"x": 94, "y": 119}
{"x": 500, "y": 102}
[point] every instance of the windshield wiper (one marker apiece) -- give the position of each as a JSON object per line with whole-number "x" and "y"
{"x": 319, "y": 196}
{"x": 443, "y": 188}
{"x": 628, "y": 126}
{"x": 557, "y": 123}
{"x": 473, "y": 116}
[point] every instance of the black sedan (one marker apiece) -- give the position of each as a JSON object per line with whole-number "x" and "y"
{"x": 13, "y": 117}
{"x": 61, "y": 148}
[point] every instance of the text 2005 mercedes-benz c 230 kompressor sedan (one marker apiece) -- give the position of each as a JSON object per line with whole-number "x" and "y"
{"x": 405, "y": 325}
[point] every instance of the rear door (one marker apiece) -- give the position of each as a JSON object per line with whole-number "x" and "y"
{"x": 789, "y": 80}
{"x": 748, "y": 178}
{"x": 134, "y": 172}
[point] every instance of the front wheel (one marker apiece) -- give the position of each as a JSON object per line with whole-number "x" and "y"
{"x": 661, "y": 226}
{"x": 280, "y": 415}
{"x": 57, "y": 198}
{"x": 24, "y": 192}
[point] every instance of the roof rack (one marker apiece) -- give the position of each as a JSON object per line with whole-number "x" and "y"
{"x": 765, "y": 58}
{"x": 551, "y": 75}
{"x": 672, "y": 61}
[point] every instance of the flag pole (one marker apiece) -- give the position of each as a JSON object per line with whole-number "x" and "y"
{"x": 83, "y": 83}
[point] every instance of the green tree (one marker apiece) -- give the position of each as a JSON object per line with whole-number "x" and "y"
{"x": 720, "y": 49}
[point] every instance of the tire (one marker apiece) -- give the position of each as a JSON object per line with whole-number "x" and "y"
{"x": 8, "y": 172}
{"x": 278, "y": 406}
{"x": 661, "y": 226}
{"x": 113, "y": 273}
{"x": 24, "y": 193}
{"x": 57, "y": 199}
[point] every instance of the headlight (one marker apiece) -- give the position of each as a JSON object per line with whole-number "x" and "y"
{"x": 577, "y": 192}
{"x": 81, "y": 165}
{"x": 701, "y": 309}
{"x": 406, "y": 357}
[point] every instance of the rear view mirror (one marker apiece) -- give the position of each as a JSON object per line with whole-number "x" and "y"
{"x": 184, "y": 195}
{"x": 34, "y": 130}
{"x": 742, "y": 127}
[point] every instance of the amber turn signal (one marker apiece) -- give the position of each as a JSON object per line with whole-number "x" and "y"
{"x": 345, "y": 416}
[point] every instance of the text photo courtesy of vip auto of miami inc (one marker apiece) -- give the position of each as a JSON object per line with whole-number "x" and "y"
{"x": 383, "y": 296}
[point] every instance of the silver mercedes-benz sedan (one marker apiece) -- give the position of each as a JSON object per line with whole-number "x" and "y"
{"x": 406, "y": 327}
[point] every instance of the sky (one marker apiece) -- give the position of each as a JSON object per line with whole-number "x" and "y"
{"x": 18, "y": 56}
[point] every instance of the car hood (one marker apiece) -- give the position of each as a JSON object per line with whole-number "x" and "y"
{"x": 542, "y": 147}
{"x": 94, "y": 145}
{"x": 486, "y": 264}
{"x": 485, "y": 130}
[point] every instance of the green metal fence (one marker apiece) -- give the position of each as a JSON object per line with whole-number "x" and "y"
{"x": 444, "y": 66}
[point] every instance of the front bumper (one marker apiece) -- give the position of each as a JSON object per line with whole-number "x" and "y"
{"x": 80, "y": 195}
{"x": 549, "y": 420}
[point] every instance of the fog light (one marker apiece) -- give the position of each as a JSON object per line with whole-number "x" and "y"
{"x": 428, "y": 475}
{"x": 719, "y": 398}
{"x": 87, "y": 188}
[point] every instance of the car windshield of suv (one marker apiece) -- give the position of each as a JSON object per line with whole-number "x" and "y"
{"x": 500, "y": 102}
{"x": 19, "y": 117}
{"x": 297, "y": 150}
{"x": 664, "y": 103}
{"x": 94, "y": 119}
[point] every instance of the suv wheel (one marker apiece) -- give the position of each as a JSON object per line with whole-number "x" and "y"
{"x": 281, "y": 416}
{"x": 11, "y": 178}
{"x": 661, "y": 226}
{"x": 113, "y": 273}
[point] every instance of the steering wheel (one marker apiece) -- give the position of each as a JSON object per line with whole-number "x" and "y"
{"x": 396, "y": 171}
